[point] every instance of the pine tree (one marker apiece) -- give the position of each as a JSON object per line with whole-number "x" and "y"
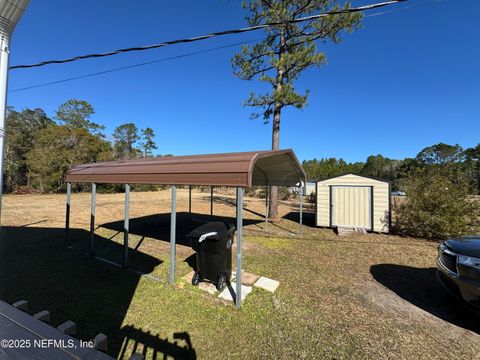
{"x": 148, "y": 144}
{"x": 75, "y": 114}
{"x": 284, "y": 54}
{"x": 125, "y": 135}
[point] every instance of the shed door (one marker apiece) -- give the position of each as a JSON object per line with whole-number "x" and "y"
{"x": 351, "y": 206}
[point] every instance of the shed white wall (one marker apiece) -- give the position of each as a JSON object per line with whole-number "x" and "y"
{"x": 380, "y": 199}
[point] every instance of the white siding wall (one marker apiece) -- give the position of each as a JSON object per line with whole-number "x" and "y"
{"x": 323, "y": 204}
{"x": 380, "y": 199}
{"x": 381, "y": 207}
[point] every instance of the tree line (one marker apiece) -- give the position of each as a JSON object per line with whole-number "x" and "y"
{"x": 461, "y": 166}
{"x": 39, "y": 149}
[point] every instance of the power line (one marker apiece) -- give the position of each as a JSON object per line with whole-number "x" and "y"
{"x": 404, "y": 8}
{"x": 203, "y": 37}
{"x": 132, "y": 66}
{"x": 103, "y": 72}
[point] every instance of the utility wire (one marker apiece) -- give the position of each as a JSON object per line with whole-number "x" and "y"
{"x": 132, "y": 66}
{"x": 203, "y": 37}
{"x": 404, "y": 8}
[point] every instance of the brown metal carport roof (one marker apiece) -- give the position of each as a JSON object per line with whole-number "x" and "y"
{"x": 244, "y": 169}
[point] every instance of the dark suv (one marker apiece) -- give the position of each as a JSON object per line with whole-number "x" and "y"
{"x": 458, "y": 265}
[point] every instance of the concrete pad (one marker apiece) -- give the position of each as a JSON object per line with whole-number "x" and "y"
{"x": 210, "y": 288}
{"x": 188, "y": 277}
{"x": 267, "y": 284}
{"x": 249, "y": 278}
{"x": 229, "y": 292}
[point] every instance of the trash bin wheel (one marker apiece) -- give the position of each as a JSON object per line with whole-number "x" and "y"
{"x": 196, "y": 278}
{"x": 221, "y": 282}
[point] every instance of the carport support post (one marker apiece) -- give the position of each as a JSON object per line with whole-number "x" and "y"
{"x": 266, "y": 207}
{"x": 173, "y": 220}
{"x": 126, "y": 224}
{"x": 190, "y": 199}
{"x": 238, "y": 291}
{"x": 92, "y": 216}
{"x": 67, "y": 210}
{"x": 211, "y": 200}
{"x": 301, "y": 207}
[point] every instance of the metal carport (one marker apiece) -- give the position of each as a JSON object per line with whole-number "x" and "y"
{"x": 240, "y": 170}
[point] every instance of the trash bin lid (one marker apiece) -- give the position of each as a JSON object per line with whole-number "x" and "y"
{"x": 219, "y": 227}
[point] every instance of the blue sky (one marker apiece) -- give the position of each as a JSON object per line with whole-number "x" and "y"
{"x": 406, "y": 80}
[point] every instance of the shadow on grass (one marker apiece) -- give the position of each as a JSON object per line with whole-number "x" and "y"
{"x": 308, "y": 218}
{"x": 192, "y": 261}
{"x": 158, "y": 226}
{"x": 154, "y": 347}
{"x": 419, "y": 287}
{"x": 36, "y": 265}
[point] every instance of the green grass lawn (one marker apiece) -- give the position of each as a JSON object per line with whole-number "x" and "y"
{"x": 371, "y": 296}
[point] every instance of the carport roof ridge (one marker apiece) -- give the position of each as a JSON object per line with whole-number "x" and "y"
{"x": 243, "y": 169}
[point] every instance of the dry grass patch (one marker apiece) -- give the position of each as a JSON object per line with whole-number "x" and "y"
{"x": 363, "y": 296}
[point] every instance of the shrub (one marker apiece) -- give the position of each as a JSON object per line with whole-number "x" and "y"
{"x": 284, "y": 194}
{"x": 436, "y": 207}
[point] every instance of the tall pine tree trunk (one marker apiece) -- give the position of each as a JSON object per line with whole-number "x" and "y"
{"x": 273, "y": 196}
{"x": 273, "y": 208}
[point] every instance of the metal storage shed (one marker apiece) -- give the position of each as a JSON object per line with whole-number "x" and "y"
{"x": 353, "y": 201}
{"x": 240, "y": 170}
